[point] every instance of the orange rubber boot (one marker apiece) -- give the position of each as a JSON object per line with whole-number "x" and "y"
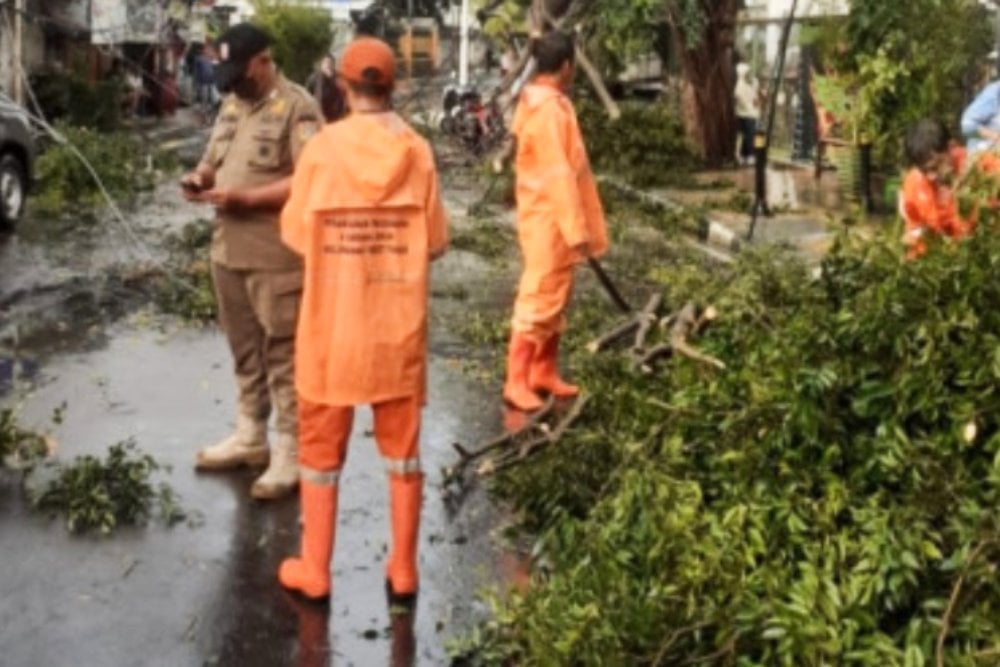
{"x": 309, "y": 574}
{"x": 545, "y": 371}
{"x": 406, "y": 499}
{"x": 516, "y": 390}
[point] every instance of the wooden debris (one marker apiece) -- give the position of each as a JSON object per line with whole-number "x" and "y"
{"x": 544, "y": 428}
{"x": 688, "y": 321}
{"x": 646, "y": 318}
{"x": 531, "y": 447}
{"x": 641, "y": 323}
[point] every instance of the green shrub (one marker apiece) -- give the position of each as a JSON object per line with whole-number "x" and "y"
{"x": 124, "y": 164}
{"x": 828, "y": 499}
{"x": 72, "y": 99}
{"x": 302, "y": 35}
{"x": 647, "y": 146}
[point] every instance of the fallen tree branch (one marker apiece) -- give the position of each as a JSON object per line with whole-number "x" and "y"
{"x": 641, "y": 323}
{"x": 689, "y": 321}
{"x": 493, "y": 466}
{"x": 613, "y": 336}
{"x": 456, "y": 472}
{"x": 956, "y": 591}
{"x": 677, "y": 634}
{"x": 646, "y": 318}
{"x": 684, "y": 349}
{"x": 685, "y": 322}
{"x": 614, "y": 111}
{"x": 646, "y": 361}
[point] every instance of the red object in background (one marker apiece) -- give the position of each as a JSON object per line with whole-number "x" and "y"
{"x": 168, "y": 96}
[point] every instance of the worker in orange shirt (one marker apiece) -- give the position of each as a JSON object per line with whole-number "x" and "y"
{"x": 560, "y": 222}
{"x": 928, "y": 205}
{"x": 366, "y": 215}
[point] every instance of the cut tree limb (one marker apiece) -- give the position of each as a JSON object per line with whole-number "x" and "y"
{"x": 455, "y": 473}
{"x": 499, "y": 464}
{"x": 641, "y": 324}
{"x": 688, "y": 321}
{"x": 647, "y": 317}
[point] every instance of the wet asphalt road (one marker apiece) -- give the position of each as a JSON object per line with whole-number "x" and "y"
{"x": 206, "y": 593}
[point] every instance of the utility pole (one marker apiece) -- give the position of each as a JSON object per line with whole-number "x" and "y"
{"x": 463, "y": 47}
{"x": 19, "y": 52}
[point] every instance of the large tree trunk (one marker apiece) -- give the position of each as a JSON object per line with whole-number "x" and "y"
{"x": 707, "y": 68}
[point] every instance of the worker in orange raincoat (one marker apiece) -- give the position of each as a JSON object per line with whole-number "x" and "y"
{"x": 927, "y": 203}
{"x": 366, "y": 215}
{"x": 560, "y": 222}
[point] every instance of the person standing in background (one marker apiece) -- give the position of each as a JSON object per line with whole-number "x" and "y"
{"x": 747, "y": 96}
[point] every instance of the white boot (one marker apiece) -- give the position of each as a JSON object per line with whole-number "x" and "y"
{"x": 282, "y": 475}
{"x": 247, "y": 446}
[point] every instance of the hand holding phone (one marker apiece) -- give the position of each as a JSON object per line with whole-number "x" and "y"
{"x": 191, "y": 186}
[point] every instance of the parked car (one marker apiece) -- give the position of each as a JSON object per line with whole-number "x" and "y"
{"x": 17, "y": 159}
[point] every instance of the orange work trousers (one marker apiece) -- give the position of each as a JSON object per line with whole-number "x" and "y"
{"x": 324, "y": 432}
{"x": 540, "y": 307}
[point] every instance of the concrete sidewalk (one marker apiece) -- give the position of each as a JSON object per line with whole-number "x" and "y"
{"x": 805, "y": 212}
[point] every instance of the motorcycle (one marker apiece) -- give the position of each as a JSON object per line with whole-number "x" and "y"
{"x": 477, "y": 124}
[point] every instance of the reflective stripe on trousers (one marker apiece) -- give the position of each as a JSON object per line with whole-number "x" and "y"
{"x": 402, "y": 467}
{"x": 319, "y": 477}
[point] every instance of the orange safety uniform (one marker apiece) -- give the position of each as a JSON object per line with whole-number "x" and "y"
{"x": 366, "y": 215}
{"x": 930, "y": 207}
{"x": 557, "y": 207}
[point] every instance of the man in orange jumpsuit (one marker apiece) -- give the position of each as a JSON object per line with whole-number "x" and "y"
{"x": 928, "y": 203}
{"x": 560, "y": 222}
{"x": 365, "y": 214}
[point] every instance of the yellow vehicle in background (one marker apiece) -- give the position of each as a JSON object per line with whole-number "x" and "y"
{"x": 420, "y": 46}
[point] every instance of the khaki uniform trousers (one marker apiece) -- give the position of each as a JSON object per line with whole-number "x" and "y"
{"x": 258, "y": 312}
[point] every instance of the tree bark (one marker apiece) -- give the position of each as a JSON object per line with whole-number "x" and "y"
{"x": 707, "y": 69}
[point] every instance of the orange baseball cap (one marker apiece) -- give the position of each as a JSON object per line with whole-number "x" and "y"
{"x": 369, "y": 60}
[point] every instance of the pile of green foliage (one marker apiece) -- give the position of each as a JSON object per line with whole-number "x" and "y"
{"x": 186, "y": 289}
{"x": 302, "y": 35}
{"x": 646, "y": 147}
{"x": 19, "y": 447}
{"x": 103, "y": 494}
{"x": 125, "y": 165}
{"x": 829, "y": 498}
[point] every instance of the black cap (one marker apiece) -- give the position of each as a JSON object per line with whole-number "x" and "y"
{"x": 236, "y": 47}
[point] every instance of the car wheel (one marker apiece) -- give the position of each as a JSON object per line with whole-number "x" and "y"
{"x": 13, "y": 189}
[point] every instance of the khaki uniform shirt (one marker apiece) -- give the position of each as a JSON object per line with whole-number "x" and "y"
{"x": 253, "y": 145}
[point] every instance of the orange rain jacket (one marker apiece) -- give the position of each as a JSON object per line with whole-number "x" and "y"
{"x": 366, "y": 215}
{"x": 557, "y": 204}
{"x": 928, "y": 206}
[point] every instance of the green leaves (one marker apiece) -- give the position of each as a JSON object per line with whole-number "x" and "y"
{"x": 812, "y": 505}
{"x": 103, "y": 494}
{"x": 301, "y": 35}
{"x": 125, "y": 166}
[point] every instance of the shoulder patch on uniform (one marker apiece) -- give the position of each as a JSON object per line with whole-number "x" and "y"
{"x": 306, "y": 128}
{"x": 278, "y": 106}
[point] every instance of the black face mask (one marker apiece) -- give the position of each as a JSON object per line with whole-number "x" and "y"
{"x": 245, "y": 88}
